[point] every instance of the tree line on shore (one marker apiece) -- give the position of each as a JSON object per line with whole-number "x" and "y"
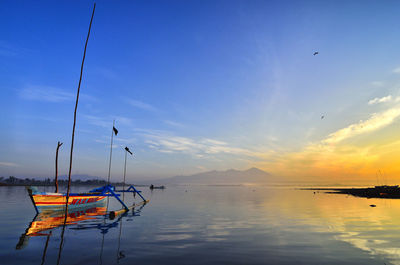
{"x": 14, "y": 181}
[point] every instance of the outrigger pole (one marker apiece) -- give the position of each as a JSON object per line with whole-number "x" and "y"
{"x": 110, "y": 190}
{"x": 130, "y": 189}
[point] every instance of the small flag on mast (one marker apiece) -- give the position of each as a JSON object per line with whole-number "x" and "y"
{"x": 129, "y": 151}
{"x": 115, "y": 130}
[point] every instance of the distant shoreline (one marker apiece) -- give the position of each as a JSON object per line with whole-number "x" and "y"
{"x": 13, "y": 181}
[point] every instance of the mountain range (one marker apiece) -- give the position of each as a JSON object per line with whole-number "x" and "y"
{"x": 231, "y": 176}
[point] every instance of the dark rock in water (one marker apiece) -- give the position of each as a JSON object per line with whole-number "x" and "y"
{"x": 372, "y": 205}
{"x": 385, "y": 191}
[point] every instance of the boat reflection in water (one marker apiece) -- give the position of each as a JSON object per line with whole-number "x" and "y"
{"x": 44, "y": 222}
{"x": 94, "y": 217}
{"x": 85, "y": 217}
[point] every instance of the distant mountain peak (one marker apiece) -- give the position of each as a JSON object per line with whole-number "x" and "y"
{"x": 254, "y": 169}
{"x": 230, "y": 176}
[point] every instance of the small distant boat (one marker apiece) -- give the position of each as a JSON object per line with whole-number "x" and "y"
{"x": 152, "y": 187}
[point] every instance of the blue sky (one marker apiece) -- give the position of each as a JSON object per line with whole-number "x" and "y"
{"x": 192, "y": 85}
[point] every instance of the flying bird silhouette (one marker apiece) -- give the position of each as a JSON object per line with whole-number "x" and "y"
{"x": 315, "y": 53}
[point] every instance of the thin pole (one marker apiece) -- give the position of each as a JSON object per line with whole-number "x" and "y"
{"x": 76, "y": 107}
{"x": 72, "y": 140}
{"x": 56, "y": 178}
{"x": 120, "y": 254}
{"x": 45, "y": 248}
{"x": 109, "y": 164}
{"x": 102, "y": 246}
{"x": 123, "y": 185}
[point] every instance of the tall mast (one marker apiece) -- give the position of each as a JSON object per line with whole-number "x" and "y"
{"x": 72, "y": 140}
{"x": 76, "y": 106}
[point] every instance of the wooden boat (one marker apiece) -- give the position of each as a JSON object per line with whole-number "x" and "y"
{"x": 68, "y": 200}
{"x": 51, "y": 200}
{"x": 43, "y": 201}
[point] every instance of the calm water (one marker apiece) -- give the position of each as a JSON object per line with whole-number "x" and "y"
{"x": 212, "y": 225}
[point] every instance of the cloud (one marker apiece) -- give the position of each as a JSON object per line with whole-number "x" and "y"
{"x": 106, "y": 122}
{"x": 380, "y": 100}
{"x": 141, "y": 105}
{"x": 98, "y": 121}
{"x": 375, "y": 122}
{"x": 377, "y": 83}
{"x": 174, "y": 124}
{"x": 201, "y": 168}
{"x": 7, "y": 53}
{"x": 120, "y": 120}
{"x": 106, "y": 72}
{"x": 202, "y": 147}
{"x": 214, "y": 142}
{"x": 45, "y": 93}
{"x": 8, "y": 50}
{"x": 396, "y": 70}
{"x": 340, "y": 159}
{"x": 8, "y": 164}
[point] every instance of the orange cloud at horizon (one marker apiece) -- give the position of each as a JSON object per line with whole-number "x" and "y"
{"x": 363, "y": 152}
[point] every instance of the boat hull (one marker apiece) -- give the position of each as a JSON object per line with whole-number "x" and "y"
{"x": 46, "y": 200}
{"x": 60, "y": 200}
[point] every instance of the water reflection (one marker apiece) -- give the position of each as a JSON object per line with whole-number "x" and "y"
{"x": 94, "y": 217}
{"x": 48, "y": 220}
{"x": 44, "y": 222}
{"x": 375, "y": 231}
{"x": 232, "y": 225}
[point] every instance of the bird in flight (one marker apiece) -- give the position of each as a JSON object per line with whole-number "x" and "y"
{"x": 322, "y": 117}
{"x": 315, "y": 53}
